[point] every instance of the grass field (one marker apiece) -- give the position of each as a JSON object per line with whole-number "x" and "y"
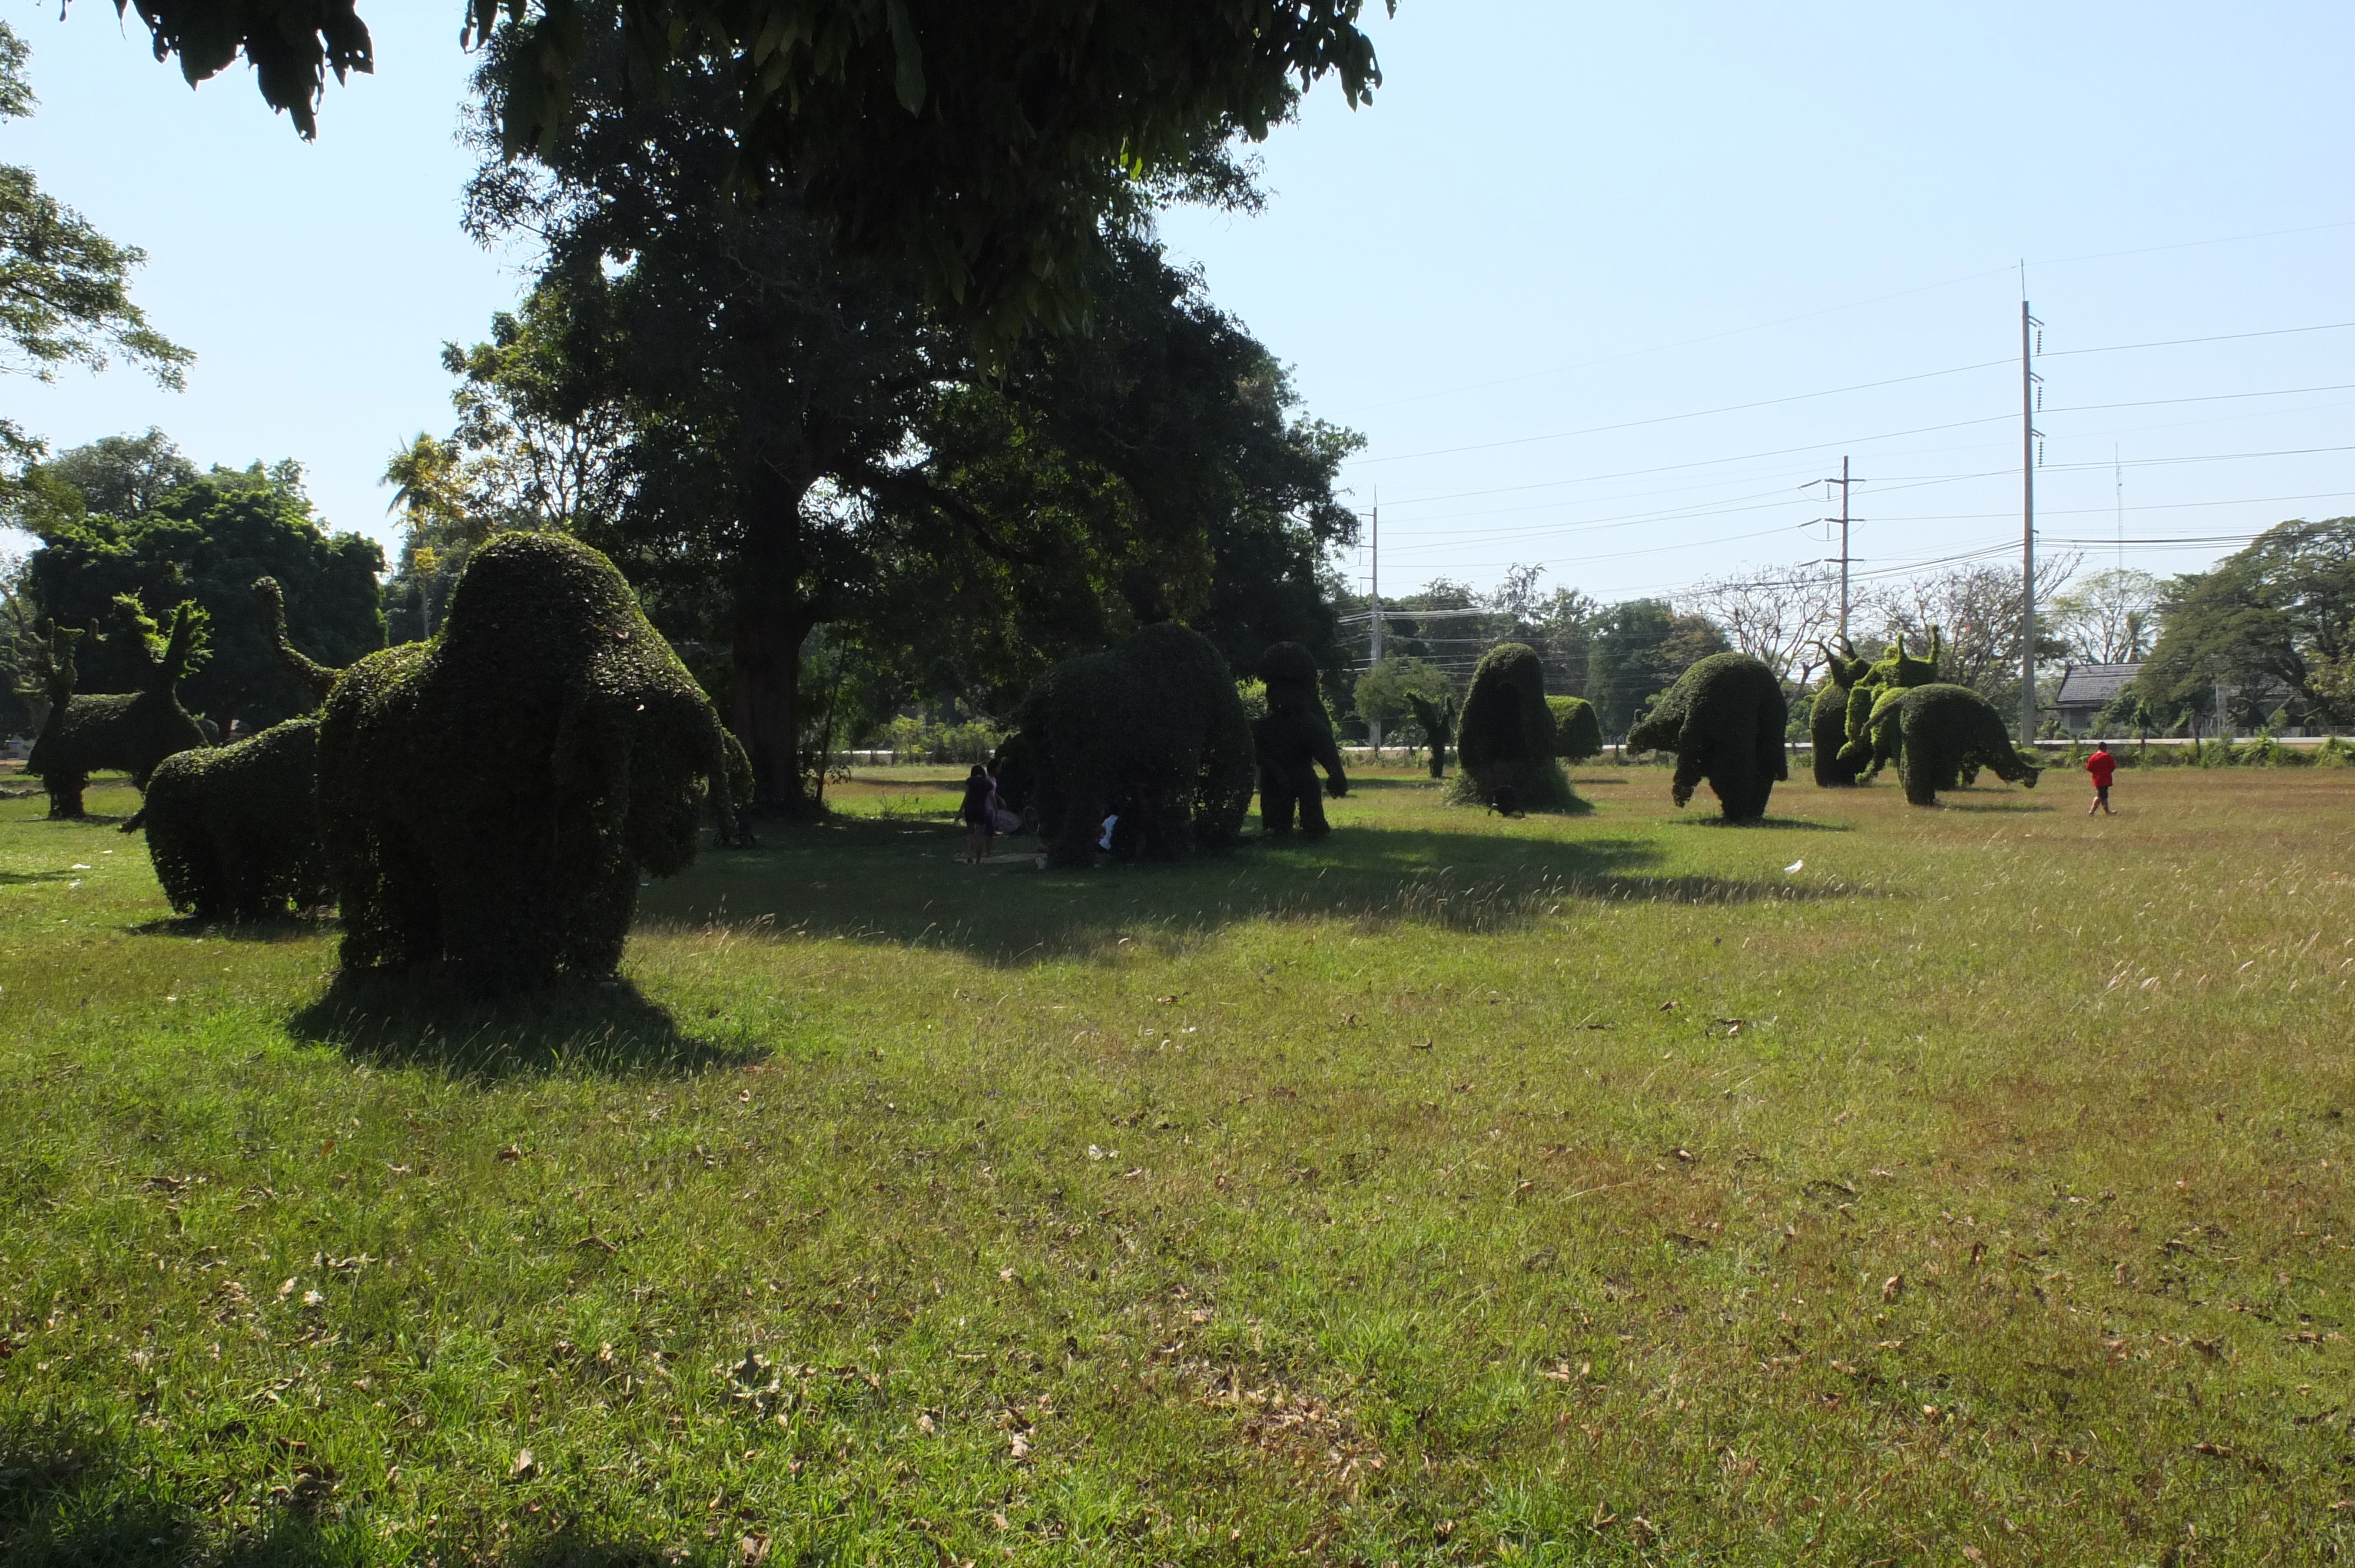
{"x": 1875, "y": 1186}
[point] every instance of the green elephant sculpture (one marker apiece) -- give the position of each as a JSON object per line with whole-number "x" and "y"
{"x": 133, "y": 731}
{"x": 491, "y": 798}
{"x": 1938, "y": 735}
{"x": 1151, "y": 732}
{"x": 1895, "y": 669}
{"x": 1724, "y": 719}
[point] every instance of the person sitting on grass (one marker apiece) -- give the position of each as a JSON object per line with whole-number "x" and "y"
{"x": 2100, "y": 765}
{"x": 978, "y": 813}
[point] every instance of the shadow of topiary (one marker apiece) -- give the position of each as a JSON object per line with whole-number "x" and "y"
{"x": 437, "y": 1021}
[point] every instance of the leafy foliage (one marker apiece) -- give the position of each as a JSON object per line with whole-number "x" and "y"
{"x": 64, "y": 288}
{"x": 1152, "y": 730}
{"x": 1724, "y": 720}
{"x": 493, "y": 796}
{"x": 1290, "y": 740}
{"x": 1385, "y": 693}
{"x": 207, "y": 537}
{"x": 1637, "y": 650}
{"x": 233, "y": 830}
{"x": 133, "y": 731}
{"x": 1577, "y": 734}
{"x": 1827, "y": 717}
{"x": 2281, "y": 611}
{"x": 983, "y": 152}
{"x": 1939, "y": 733}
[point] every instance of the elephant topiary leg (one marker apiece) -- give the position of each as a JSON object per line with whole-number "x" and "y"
{"x": 1312, "y": 804}
{"x": 1277, "y": 799}
{"x": 1692, "y": 768}
{"x": 64, "y": 791}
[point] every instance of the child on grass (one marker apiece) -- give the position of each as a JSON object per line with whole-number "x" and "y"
{"x": 2100, "y": 765}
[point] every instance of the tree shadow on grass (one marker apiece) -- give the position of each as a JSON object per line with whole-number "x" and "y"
{"x": 903, "y": 884}
{"x": 401, "y": 1019}
{"x": 1778, "y": 824}
{"x": 1996, "y": 807}
{"x": 73, "y": 1494}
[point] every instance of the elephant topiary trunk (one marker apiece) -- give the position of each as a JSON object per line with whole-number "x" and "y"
{"x": 1940, "y": 734}
{"x": 1724, "y": 719}
{"x": 491, "y": 798}
{"x": 1504, "y": 737}
{"x": 133, "y": 731}
{"x": 1291, "y": 741}
{"x": 1151, "y": 731}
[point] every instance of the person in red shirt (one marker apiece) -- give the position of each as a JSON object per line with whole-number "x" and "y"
{"x": 2100, "y": 765}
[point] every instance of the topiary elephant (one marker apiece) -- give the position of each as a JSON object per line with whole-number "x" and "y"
{"x": 1895, "y": 669}
{"x": 1725, "y": 718}
{"x": 133, "y": 731}
{"x": 1936, "y": 734}
{"x": 1504, "y": 737}
{"x": 233, "y": 830}
{"x": 1151, "y": 731}
{"x": 1827, "y": 725}
{"x": 1291, "y": 740}
{"x": 491, "y": 798}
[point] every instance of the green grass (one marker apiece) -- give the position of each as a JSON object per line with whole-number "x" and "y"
{"x": 1453, "y": 1190}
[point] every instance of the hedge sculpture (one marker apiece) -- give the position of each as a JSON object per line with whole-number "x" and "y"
{"x": 233, "y": 830}
{"x": 1827, "y": 725}
{"x": 1577, "y": 732}
{"x": 1894, "y": 670}
{"x": 1151, "y": 731}
{"x": 1504, "y": 737}
{"x": 130, "y": 730}
{"x": 1290, "y": 740}
{"x": 1937, "y": 733}
{"x": 1438, "y": 722}
{"x": 1724, "y": 719}
{"x": 491, "y": 797}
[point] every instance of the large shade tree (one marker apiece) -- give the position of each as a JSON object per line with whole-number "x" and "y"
{"x": 799, "y": 441}
{"x": 2278, "y": 618}
{"x": 978, "y": 150}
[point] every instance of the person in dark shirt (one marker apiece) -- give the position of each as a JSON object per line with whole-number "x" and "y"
{"x": 2102, "y": 765}
{"x": 978, "y": 812}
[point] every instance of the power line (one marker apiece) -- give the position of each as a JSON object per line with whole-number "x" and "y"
{"x": 2220, "y": 337}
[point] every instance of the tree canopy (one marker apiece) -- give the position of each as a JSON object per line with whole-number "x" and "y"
{"x": 982, "y": 154}
{"x": 778, "y": 439}
{"x": 64, "y": 288}
{"x": 206, "y": 537}
{"x": 2280, "y": 612}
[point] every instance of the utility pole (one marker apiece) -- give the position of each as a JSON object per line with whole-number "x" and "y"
{"x": 2028, "y": 436}
{"x": 1374, "y": 726}
{"x": 1843, "y": 519}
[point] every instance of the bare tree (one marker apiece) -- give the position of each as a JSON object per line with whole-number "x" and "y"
{"x": 2112, "y": 618}
{"x": 1778, "y": 614}
{"x": 1977, "y": 611}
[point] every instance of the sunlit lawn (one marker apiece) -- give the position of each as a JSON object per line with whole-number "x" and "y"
{"x": 1877, "y": 1185}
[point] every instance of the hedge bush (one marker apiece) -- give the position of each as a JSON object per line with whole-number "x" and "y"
{"x": 1577, "y": 732}
{"x": 491, "y": 797}
{"x": 1724, "y": 720}
{"x": 133, "y": 731}
{"x": 1152, "y": 729}
{"x": 1505, "y": 735}
{"x": 232, "y": 830}
{"x": 1290, "y": 740}
{"x": 1827, "y": 724}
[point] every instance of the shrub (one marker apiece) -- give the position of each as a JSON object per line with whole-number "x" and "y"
{"x": 2332, "y": 753}
{"x": 1724, "y": 720}
{"x": 1827, "y": 717}
{"x": 491, "y": 795}
{"x": 1291, "y": 739}
{"x": 1152, "y": 729}
{"x": 133, "y": 731}
{"x": 1938, "y": 734}
{"x": 1505, "y": 735}
{"x": 1437, "y": 722}
{"x": 1577, "y": 732}
{"x": 233, "y": 830}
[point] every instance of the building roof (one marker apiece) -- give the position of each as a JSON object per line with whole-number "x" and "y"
{"x": 2093, "y": 684}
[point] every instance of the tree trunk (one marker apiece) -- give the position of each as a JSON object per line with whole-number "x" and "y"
{"x": 773, "y": 616}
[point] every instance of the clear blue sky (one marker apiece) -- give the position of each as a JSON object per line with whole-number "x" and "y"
{"x": 1555, "y": 218}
